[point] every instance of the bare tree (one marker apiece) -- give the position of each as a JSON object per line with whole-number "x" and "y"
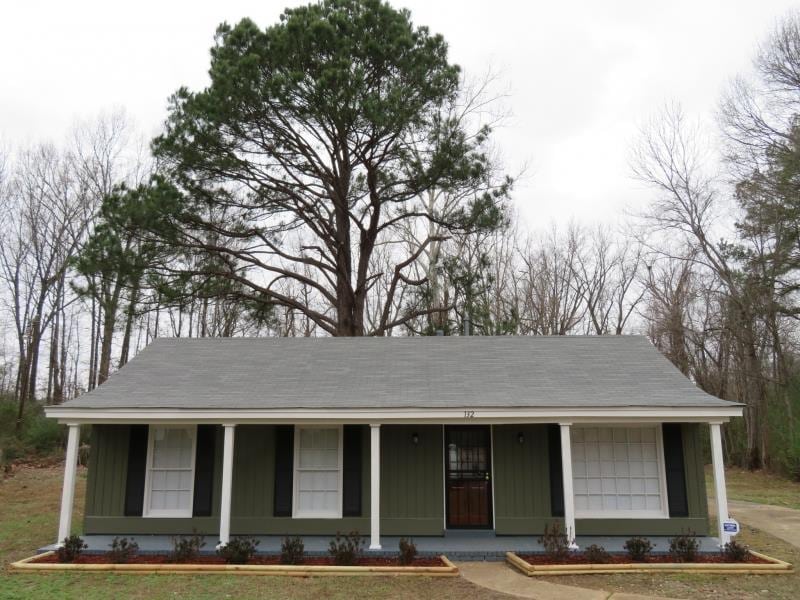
{"x": 671, "y": 157}
{"x": 45, "y": 217}
{"x": 756, "y": 108}
{"x": 105, "y": 155}
{"x": 552, "y": 293}
{"x": 609, "y": 278}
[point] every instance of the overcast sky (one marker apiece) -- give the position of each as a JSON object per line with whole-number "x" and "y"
{"x": 582, "y": 76}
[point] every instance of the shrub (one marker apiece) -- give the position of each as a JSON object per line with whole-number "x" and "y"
{"x": 733, "y": 551}
{"x": 43, "y": 435}
{"x": 638, "y": 548}
{"x": 186, "y": 549}
{"x": 8, "y": 415}
{"x": 596, "y": 554}
{"x": 122, "y": 550}
{"x": 238, "y": 550}
{"x": 11, "y": 450}
{"x": 784, "y": 452}
{"x": 555, "y": 542}
{"x": 684, "y": 547}
{"x": 408, "y": 551}
{"x": 38, "y": 435}
{"x": 346, "y": 549}
{"x": 292, "y": 551}
{"x": 71, "y": 549}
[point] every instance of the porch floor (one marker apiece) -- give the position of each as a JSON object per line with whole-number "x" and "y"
{"x": 457, "y": 545}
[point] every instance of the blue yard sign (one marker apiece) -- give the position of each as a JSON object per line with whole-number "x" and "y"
{"x": 730, "y": 526}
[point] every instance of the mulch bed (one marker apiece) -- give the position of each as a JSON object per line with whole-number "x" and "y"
{"x": 322, "y": 561}
{"x": 618, "y": 559}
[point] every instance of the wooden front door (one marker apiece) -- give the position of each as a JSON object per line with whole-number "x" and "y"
{"x": 468, "y": 476}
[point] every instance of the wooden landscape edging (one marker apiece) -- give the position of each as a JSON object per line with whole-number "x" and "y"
{"x": 774, "y": 567}
{"x": 27, "y": 564}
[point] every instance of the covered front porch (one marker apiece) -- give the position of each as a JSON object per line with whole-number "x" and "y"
{"x": 405, "y": 476}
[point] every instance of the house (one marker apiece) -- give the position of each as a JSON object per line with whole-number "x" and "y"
{"x": 396, "y": 436}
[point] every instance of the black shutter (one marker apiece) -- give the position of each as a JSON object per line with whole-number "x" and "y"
{"x": 351, "y": 476}
{"x": 284, "y": 467}
{"x": 556, "y": 474}
{"x": 204, "y": 470}
{"x": 675, "y": 473}
{"x": 137, "y": 466}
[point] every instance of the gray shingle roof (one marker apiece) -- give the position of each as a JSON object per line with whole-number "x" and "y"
{"x": 433, "y": 372}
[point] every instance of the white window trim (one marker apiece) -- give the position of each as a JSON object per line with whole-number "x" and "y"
{"x": 662, "y": 477}
{"x": 296, "y": 470}
{"x": 147, "y": 512}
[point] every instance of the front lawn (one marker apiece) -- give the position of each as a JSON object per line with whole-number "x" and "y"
{"x": 757, "y": 486}
{"x": 720, "y": 587}
{"x": 29, "y": 505}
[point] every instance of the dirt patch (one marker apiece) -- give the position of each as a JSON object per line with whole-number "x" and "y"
{"x": 618, "y": 559}
{"x": 316, "y": 561}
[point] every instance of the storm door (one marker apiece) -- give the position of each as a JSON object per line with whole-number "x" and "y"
{"x": 468, "y": 477}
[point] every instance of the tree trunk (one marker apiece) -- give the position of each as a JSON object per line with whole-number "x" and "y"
{"x": 22, "y": 389}
{"x": 345, "y": 301}
{"x": 109, "y": 321}
{"x": 126, "y": 337}
{"x": 104, "y": 367}
{"x": 33, "y": 353}
{"x": 753, "y": 391}
{"x": 52, "y": 367}
{"x": 92, "y": 342}
{"x": 58, "y": 388}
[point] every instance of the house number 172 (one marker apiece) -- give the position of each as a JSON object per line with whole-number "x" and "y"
{"x": 469, "y": 414}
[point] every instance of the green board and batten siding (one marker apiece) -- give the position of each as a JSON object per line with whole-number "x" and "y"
{"x": 105, "y": 490}
{"x": 411, "y": 487}
{"x": 411, "y": 491}
{"x": 253, "y": 493}
{"x": 108, "y": 469}
{"x": 412, "y": 480}
{"x": 522, "y": 488}
{"x": 521, "y": 479}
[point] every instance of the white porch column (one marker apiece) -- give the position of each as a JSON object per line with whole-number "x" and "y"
{"x": 566, "y": 475}
{"x": 375, "y": 487}
{"x": 68, "y": 491}
{"x": 719, "y": 480}
{"x": 227, "y": 484}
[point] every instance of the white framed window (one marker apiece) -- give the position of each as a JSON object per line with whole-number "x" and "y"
{"x": 318, "y": 472}
{"x": 618, "y": 471}
{"x": 169, "y": 482}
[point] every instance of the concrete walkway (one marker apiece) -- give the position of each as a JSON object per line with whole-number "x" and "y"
{"x": 500, "y": 577}
{"x": 782, "y": 522}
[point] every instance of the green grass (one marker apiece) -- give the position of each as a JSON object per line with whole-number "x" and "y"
{"x": 719, "y": 587}
{"x": 29, "y": 503}
{"x": 29, "y": 506}
{"x": 758, "y": 486}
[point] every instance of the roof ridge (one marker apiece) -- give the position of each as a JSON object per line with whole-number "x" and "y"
{"x": 537, "y": 337}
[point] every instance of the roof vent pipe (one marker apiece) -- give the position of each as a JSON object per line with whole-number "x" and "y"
{"x": 467, "y": 324}
{"x": 439, "y": 332}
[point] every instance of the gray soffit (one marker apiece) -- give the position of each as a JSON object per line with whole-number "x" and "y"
{"x": 387, "y": 373}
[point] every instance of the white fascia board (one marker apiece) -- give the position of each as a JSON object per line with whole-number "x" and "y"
{"x": 464, "y": 415}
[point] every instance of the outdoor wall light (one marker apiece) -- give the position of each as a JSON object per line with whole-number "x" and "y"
{"x": 415, "y": 438}
{"x": 520, "y": 438}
